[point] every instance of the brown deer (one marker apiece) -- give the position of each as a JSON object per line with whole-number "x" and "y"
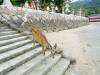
{"x": 40, "y": 38}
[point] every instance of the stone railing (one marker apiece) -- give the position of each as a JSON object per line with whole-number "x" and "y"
{"x": 47, "y": 21}
{"x": 54, "y": 21}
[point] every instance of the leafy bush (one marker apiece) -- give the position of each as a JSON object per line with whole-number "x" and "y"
{"x": 18, "y": 2}
{"x": 1, "y": 1}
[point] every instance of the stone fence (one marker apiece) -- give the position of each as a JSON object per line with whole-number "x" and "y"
{"x": 47, "y": 21}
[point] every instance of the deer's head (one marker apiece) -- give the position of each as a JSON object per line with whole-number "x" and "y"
{"x": 56, "y": 50}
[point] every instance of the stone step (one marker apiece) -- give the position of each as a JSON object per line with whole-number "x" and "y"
{"x": 10, "y": 41}
{"x": 6, "y": 37}
{"x": 2, "y": 24}
{"x": 1, "y": 30}
{"x": 44, "y": 66}
{"x": 4, "y": 27}
{"x": 15, "y": 52}
{"x": 23, "y": 69}
{"x": 73, "y": 73}
{"x": 18, "y": 56}
{"x": 8, "y": 33}
{"x": 14, "y": 45}
{"x": 70, "y": 71}
{"x": 60, "y": 67}
{"x": 14, "y": 63}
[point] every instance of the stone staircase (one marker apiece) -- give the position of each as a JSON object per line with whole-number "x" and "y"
{"x": 18, "y": 56}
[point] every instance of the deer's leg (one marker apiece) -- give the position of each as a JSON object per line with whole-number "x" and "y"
{"x": 43, "y": 50}
{"x": 33, "y": 42}
{"x": 52, "y": 54}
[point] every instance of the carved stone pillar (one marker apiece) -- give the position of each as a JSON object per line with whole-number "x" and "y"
{"x": 56, "y": 8}
{"x": 73, "y": 12}
{"x": 26, "y": 4}
{"x": 80, "y": 12}
{"x": 37, "y": 5}
{"x": 7, "y": 3}
{"x": 48, "y": 9}
{"x": 63, "y": 11}
{"x": 66, "y": 6}
{"x": 52, "y": 7}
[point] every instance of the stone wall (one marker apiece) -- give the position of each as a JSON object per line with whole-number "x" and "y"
{"x": 54, "y": 21}
{"x": 47, "y": 21}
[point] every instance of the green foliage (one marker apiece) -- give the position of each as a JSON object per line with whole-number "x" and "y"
{"x": 59, "y": 4}
{"x": 29, "y": 1}
{"x": 1, "y": 1}
{"x": 89, "y": 8}
{"x": 18, "y": 2}
{"x": 98, "y": 10}
{"x": 44, "y": 3}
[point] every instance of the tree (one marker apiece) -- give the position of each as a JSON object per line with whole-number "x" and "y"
{"x": 1, "y": 1}
{"x": 98, "y": 10}
{"x": 59, "y": 4}
{"x": 18, "y": 2}
{"x": 44, "y": 3}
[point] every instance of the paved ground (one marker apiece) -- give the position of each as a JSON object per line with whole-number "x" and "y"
{"x": 90, "y": 37}
{"x": 82, "y": 44}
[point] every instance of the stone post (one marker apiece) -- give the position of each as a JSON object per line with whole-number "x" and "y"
{"x": 66, "y": 6}
{"x": 48, "y": 9}
{"x": 37, "y": 5}
{"x": 56, "y": 8}
{"x": 63, "y": 11}
{"x": 26, "y": 4}
{"x": 80, "y": 12}
{"x": 73, "y": 12}
{"x": 7, "y": 3}
{"x": 52, "y": 6}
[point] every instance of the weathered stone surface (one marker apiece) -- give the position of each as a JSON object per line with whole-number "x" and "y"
{"x": 18, "y": 56}
{"x": 47, "y": 21}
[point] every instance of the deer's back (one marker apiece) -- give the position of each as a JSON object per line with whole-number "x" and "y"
{"x": 39, "y": 37}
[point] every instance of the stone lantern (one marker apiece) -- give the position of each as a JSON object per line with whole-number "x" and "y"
{"x": 52, "y": 6}
{"x": 63, "y": 11}
{"x": 66, "y": 7}
{"x": 26, "y": 4}
{"x": 80, "y": 12}
{"x": 37, "y": 5}
{"x": 56, "y": 8}
{"x": 7, "y": 3}
{"x": 48, "y": 9}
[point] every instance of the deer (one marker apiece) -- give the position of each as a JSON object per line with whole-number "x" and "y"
{"x": 40, "y": 38}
